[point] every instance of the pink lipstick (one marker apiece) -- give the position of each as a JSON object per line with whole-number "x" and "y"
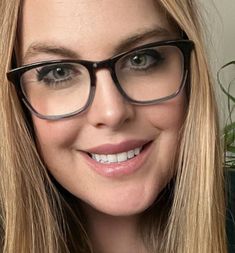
{"x": 115, "y": 160}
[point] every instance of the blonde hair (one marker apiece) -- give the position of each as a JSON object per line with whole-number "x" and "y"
{"x": 34, "y": 213}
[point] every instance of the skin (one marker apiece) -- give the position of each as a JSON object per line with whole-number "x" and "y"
{"x": 92, "y": 30}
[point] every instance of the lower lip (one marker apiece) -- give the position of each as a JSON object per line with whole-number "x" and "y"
{"x": 122, "y": 168}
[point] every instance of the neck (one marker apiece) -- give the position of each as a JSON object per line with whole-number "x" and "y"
{"x": 112, "y": 234}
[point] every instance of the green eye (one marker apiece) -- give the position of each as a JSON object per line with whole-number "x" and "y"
{"x": 143, "y": 60}
{"x": 55, "y": 73}
{"x": 60, "y": 73}
{"x": 139, "y": 60}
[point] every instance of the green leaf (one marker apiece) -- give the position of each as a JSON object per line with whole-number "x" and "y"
{"x": 229, "y": 138}
{"x": 231, "y": 149}
{"x": 230, "y": 127}
{"x": 221, "y": 85}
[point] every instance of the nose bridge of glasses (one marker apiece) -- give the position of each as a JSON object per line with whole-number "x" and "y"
{"x": 105, "y": 64}
{"x": 102, "y": 65}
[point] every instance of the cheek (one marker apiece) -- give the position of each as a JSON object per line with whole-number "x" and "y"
{"x": 169, "y": 116}
{"x": 54, "y": 135}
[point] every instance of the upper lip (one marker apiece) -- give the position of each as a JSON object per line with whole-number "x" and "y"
{"x": 110, "y": 148}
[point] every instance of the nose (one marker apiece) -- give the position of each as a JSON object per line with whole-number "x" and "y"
{"x": 109, "y": 108}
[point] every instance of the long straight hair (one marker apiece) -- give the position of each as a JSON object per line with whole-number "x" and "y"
{"x": 35, "y": 216}
{"x": 197, "y": 216}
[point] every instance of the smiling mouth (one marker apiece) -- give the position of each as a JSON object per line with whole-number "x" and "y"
{"x": 118, "y": 160}
{"x": 118, "y": 157}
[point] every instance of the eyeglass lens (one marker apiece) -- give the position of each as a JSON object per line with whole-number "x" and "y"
{"x": 144, "y": 75}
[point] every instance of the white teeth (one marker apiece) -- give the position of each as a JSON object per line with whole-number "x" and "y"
{"x": 112, "y": 158}
{"x": 131, "y": 154}
{"x": 104, "y": 158}
{"x": 119, "y": 157}
{"x": 97, "y": 157}
{"x": 137, "y": 151}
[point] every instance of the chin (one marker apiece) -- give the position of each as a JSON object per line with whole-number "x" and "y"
{"x": 125, "y": 205}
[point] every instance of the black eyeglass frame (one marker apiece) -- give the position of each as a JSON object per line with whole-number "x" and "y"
{"x": 14, "y": 75}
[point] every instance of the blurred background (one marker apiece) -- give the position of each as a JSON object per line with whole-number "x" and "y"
{"x": 220, "y": 20}
{"x": 220, "y": 23}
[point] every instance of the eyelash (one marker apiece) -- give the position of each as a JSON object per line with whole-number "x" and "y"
{"x": 42, "y": 73}
{"x": 150, "y": 53}
{"x": 152, "y": 58}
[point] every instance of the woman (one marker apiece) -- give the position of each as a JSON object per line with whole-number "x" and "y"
{"x": 109, "y": 137}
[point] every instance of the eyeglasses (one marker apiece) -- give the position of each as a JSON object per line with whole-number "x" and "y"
{"x": 145, "y": 75}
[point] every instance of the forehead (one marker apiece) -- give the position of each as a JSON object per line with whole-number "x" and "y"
{"x": 88, "y": 25}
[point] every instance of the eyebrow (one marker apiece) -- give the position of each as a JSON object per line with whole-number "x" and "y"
{"x": 37, "y": 48}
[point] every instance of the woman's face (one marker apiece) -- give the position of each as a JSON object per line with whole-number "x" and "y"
{"x": 94, "y": 30}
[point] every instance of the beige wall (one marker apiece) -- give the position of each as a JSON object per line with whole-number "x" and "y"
{"x": 223, "y": 28}
{"x": 220, "y": 19}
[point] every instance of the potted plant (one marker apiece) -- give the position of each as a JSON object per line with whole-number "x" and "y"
{"x": 228, "y": 88}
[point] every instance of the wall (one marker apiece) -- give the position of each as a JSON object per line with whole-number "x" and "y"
{"x": 220, "y": 19}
